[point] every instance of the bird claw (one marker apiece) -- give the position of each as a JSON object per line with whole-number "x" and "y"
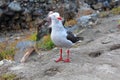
{"x": 67, "y": 60}
{"x": 58, "y": 60}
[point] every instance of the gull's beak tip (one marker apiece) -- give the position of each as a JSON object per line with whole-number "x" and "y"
{"x": 59, "y": 18}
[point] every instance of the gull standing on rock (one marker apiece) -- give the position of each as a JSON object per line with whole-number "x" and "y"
{"x": 60, "y": 36}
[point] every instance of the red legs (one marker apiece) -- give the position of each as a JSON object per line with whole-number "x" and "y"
{"x": 60, "y": 58}
{"x": 68, "y": 56}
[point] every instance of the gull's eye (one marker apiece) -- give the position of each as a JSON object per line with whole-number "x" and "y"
{"x": 54, "y": 16}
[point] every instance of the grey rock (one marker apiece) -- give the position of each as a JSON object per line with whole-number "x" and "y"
{"x": 84, "y": 20}
{"x": 1, "y": 63}
{"x": 98, "y": 6}
{"x": 1, "y": 12}
{"x": 15, "y": 6}
{"x": 88, "y": 20}
{"x": 2, "y": 3}
{"x": 24, "y": 44}
{"x": 5, "y": 62}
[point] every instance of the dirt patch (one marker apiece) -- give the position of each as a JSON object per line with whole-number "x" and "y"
{"x": 95, "y": 54}
{"x": 114, "y": 47}
{"x": 51, "y": 71}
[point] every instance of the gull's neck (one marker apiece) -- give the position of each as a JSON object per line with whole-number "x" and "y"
{"x": 57, "y": 25}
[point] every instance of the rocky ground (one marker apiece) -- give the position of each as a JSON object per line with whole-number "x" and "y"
{"x": 96, "y": 58}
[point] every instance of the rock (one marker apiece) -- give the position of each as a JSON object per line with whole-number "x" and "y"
{"x": 15, "y": 13}
{"x": 1, "y": 63}
{"x": 85, "y": 9}
{"x": 106, "y": 40}
{"x": 26, "y": 11}
{"x": 1, "y": 12}
{"x": 91, "y": 1}
{"x": 17, "y": 38}
{"x": 88, "y": 20}
{"x": 12, "y": 13}
{"x": 9, "y": 13}
{"x": 103, "y": 4}
{"x": 15, "y": 6}
{"x": 31, "y": 0}
{"x": 84, "y": 20}
{"x": 5, "y": 62}
{"x": 87, "y": 12}
{"x": 94, "y": 16}
{"x": 38, "y": 12}
{"x": 24, "y": 45}
{"x": 2, "y": 3}
{"x": 97, "y": 6}
{"x": 112, "y": 31}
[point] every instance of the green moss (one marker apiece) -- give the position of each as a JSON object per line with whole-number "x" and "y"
{"x": 8, "y": 77}
{"x": 45, "y": 43}
{"x": 115, "y": 11}
{"x": 7, "y": 54}
{"x": 33, "y": 37}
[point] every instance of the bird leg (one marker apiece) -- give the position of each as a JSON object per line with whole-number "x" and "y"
{"x": 68, "y": 56}
{"x": 60, "y": 58}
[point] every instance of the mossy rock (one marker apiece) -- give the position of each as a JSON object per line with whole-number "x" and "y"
{"x": 115, "y": 11}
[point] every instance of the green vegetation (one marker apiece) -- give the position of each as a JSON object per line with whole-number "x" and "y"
{"x": 8, "y": 77}
{"x": 45, "y": 43}
{"x": 7, "y": 51}
{"x": 115, "y": 11}
{"x": 7, "y": 54}
{"x": 33, "y": 36}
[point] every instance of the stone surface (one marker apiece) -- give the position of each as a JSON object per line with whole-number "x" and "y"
{"x": 89, "y": 60}
{"x": 96, "y": 58}
{"x": 21, "y": 14}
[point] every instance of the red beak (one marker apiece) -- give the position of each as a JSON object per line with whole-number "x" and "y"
{"x": 59, "y": 18}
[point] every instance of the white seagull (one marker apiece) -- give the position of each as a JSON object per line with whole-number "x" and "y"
{"x": 60, "y": 36}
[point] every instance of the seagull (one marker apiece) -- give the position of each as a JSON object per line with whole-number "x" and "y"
{"x": 60, "y": 36}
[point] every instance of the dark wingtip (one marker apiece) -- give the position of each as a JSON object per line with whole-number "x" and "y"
{"x": 73, "y": 38}
{"x": 80, "y": 38}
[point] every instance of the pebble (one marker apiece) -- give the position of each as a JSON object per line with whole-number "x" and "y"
{"x": 5, "y": 61}
{"x": 1, "y": 63}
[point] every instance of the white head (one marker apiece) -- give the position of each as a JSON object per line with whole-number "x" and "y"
{"x": 54, "y": 16}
